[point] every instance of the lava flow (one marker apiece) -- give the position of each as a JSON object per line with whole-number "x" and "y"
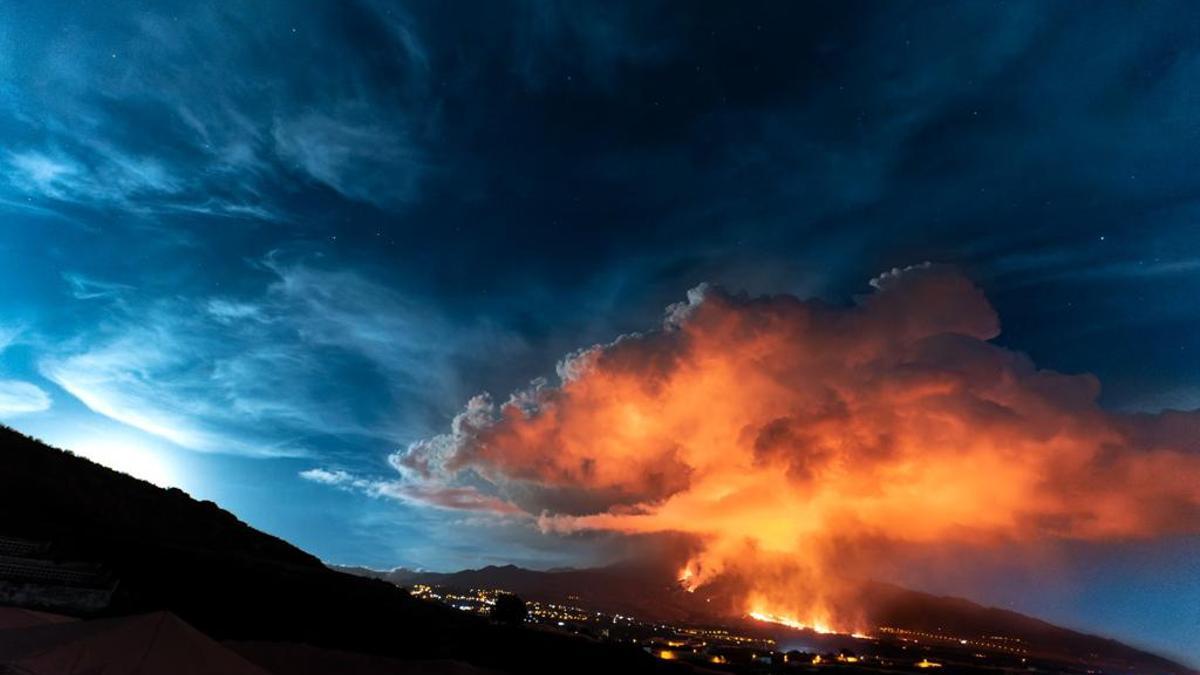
{"x": 790, "y": 622}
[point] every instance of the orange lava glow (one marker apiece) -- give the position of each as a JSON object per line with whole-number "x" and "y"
{"x": 686, "y": 580}
{"x": 790, "y": 622}
{"x": 797, "y": 444}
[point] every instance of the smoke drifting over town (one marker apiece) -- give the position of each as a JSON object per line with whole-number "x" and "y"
{"x": 793, "y": 441}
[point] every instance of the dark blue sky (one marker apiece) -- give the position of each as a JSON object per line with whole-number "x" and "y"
{"x": 240, "y": 241}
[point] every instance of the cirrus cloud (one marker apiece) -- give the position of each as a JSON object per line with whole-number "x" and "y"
{"x": 19, "y": 398}
{"x": 262, "y": 374}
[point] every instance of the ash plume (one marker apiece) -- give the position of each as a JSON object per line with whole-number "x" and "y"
{"x": 794, "y": 441}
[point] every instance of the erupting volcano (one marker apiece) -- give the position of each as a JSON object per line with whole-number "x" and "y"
{"x": 801, "y": 448}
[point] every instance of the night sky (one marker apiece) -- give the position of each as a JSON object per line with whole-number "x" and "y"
{"x": 253, "y": 248}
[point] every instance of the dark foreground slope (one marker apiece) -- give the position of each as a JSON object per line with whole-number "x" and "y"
{"x": 167, "y": 551}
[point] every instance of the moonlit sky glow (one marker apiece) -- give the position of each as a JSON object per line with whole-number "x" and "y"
{"x": 253, "y": 249}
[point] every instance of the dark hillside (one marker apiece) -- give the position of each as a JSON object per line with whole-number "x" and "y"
{"x": 168, "y": 551}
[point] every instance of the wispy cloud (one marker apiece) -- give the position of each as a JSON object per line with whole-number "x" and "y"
{"x": 34, "y": 170}
{"x": 233, "y": 134}
{"x": 362, "y": 158}
{"x": 18, "y": 398}
{"x": 9, "y": 336}
{"x": 227, "y": 311}
{"x": 84, "y": 288}
{"x": 449, "y": 497}
{"x": 327, "y": 477}
{"x": 316, "y": 353}
{"x": 128, "y": 380}
{"x": 119, "y": 178}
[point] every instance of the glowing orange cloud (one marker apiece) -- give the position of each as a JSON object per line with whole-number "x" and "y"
{"x": 778, "y": 433}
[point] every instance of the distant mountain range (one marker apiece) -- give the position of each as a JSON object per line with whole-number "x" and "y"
{"x": 628, "y": 590}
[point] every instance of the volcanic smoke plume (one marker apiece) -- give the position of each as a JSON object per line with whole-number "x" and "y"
{"x": 794, "y": 442}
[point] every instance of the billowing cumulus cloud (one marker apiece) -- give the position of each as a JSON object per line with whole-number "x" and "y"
{"x": 782, "y": 434}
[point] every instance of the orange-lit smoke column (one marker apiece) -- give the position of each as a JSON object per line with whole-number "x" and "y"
{"x": 783, "y": 435}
